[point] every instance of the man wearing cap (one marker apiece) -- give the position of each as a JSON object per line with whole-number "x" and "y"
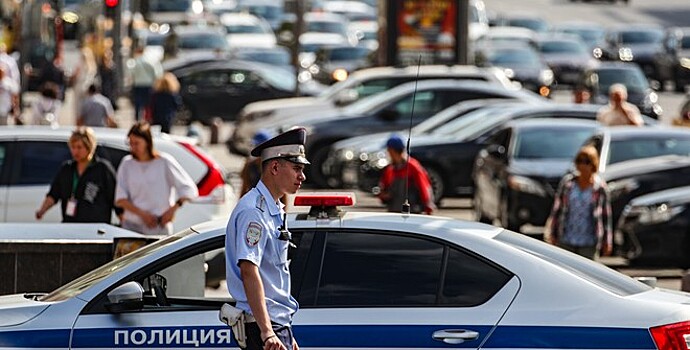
{"x": 257, "y": 241}
{"x": 405, "y": 172}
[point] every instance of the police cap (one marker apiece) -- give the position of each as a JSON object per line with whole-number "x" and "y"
{"x": 288, "y": 145}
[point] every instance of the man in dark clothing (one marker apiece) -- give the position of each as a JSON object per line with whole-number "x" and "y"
{"x": 53, "y": 72}
{"x": 405, "y": 172}
{"x": 85, "y": 184}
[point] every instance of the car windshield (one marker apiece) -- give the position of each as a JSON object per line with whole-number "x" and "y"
{"x": 347, "y": 53}
{"x": 685, "y": 43}
{"x": 640, "y": 147}
{"x": 633, "y": 79}
{"x": 591, "y": 271}
{"x": 369, "y": 103}
{"x": 326, "y": 27}
{"x": 245, "y": 29}
{"x": 562, "y": 47}
{"x": 281, "y": 78}
{"x": 513, "y": 58}
{"x": 266, "y": 11}
{"x": 275, "y": 57}
{"x": 87, "y": 280}
{"x": 642, "y": 37}
{"x": 549, "y": 143}
{"x": 203, "y": 41}
{"x": 169, "y": 5}
{"x": 473, "y": 123}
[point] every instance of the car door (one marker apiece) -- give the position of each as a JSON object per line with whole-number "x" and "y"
{"x": 32, "y": 171}
{"x": 178, "y": 310}
{"x": 365, "y": 289}
{"x": 205, "y": 92}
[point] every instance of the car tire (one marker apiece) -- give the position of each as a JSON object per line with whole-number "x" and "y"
{"x": 478, "y": 212}
{"x": 506, "y": 221}
{"x": 437, "y": 185}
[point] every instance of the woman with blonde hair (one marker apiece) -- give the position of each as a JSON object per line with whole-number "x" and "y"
{"x": 85, "y": 184}
{"x": 165, "y": 101}
{"x": 580, "y": 220}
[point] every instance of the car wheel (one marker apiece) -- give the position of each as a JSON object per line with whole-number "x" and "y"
{"x": 478, "y": 212}
{"x": 437, "y": 185}
{"x": 506, "y": 221}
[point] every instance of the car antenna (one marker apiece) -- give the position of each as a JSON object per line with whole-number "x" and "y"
{"x": 406, "y": 204}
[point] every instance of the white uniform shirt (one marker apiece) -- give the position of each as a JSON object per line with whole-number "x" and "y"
{"x": 153, "y": 186}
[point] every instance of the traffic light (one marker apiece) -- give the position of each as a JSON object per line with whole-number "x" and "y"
{"x": 111, "y": 8}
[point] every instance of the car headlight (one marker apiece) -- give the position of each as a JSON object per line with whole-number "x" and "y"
{"x": 546, "y": 76}
{"x": 348, "y": 155}
{"x": 625, "y": 54}
{"x": 685, "y": 62}
{"x": 619, "y": 188}
{"x": 197, "y": 7}
{"x": 525, "y": 184}
{"x": 655, "y": 214}
{"x": 339, "y": 74}
{"x": 377, "y": 160}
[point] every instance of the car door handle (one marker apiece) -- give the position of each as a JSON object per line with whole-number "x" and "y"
{"x": 455, "y": 336}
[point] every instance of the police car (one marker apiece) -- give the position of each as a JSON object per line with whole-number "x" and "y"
{"x": 364, "y": 280}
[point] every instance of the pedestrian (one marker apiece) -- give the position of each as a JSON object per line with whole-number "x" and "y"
{"x": 84, "y": 185}
{"x": 151, "y": 185}
{"x": 581, "y": 95}
{"x": 257, "y": 241}
{"x": 84, "y": 76}
{"x": 580, "y": 220}
{"x": 96, "y": 110}
{"x": 45, "y": 109}
{"x": 251, "y": 171}
{"x": 404, "y": 179}
{"x": 8, "y": 90}
{"x": 165, "y": 101}
{"x": 108, "y": 77}
{"x": 143, "y": 72}
{"x": 52, "y": 72}
{"x": 619, "y": 111}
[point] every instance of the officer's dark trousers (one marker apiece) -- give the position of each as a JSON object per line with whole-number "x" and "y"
{"x": 284, "y": 333}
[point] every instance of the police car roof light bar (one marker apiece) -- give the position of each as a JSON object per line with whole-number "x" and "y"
{"x": 325, "y": 200}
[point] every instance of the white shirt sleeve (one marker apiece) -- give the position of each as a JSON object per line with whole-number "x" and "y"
{"x": 181, "y": 181}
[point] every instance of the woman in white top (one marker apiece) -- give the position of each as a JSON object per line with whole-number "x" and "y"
{"x": 151, "y": 185}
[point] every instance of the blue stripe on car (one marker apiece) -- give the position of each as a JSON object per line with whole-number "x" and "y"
{"x": 370, "y": 336}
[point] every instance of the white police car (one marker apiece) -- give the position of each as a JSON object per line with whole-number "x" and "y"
{"x": 364, "y": 280}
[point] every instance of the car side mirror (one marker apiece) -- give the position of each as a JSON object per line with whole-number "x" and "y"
{"x": 127, "y": 297}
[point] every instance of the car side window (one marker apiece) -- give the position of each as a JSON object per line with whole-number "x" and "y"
{"x": 362, "y": 269}
{"x": 39, "y": 162}
{"x": 113, "y": 155}
{"x": 374, "y": 86}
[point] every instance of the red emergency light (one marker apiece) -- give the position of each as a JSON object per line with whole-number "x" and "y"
{"x": 111, "y": 3}
{"x": 325, "y": 200}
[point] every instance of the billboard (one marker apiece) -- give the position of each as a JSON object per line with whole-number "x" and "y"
{"x": 425, "y": 29}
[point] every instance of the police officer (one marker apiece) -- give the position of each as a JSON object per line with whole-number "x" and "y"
{"x": 257, "y": 242}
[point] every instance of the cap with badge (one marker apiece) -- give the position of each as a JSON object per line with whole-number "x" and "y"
{"x": 288, "y": 145}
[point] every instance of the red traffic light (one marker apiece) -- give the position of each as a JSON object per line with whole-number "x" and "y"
{"x": 111, "y": 3}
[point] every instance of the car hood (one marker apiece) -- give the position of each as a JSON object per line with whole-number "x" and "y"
{"x": 644, "y": 166}
{"x": 671, "y": 196}
{"x": 281, "y": 103}
{"x": 17, "y": 309}
{"x": 542, "y": 168}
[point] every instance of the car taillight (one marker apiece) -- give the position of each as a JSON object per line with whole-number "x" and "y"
{"x": 213, "y": 178}
{"x": 674, "y": 336}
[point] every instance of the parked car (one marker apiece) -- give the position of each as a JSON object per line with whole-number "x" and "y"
{"x": 32, "y": 157}
{"x": 657, "y": 225}
{"x": 448, "y": 155}
{"x": 673, "y": 63}
{"x": 245, "y": 29}
{"x": 272, "y": 11}
{"x": 635, "y": 43}
{"x": 591, "y": 34}
{"x": 597, "y": 80}
{"x": 360, "y": 84}
{"x": 521, "y": 63}
{"x": 404, "y": 106}
{"x": 347, "y": 155}
{"x": 335, "y": 63}
{"x": 631, "y": 165}
{"x": 517, "y": 173}
{"x": 223, "y": 88}
{"x": 501, "y": 289}
{"x": 566, "y": 56}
